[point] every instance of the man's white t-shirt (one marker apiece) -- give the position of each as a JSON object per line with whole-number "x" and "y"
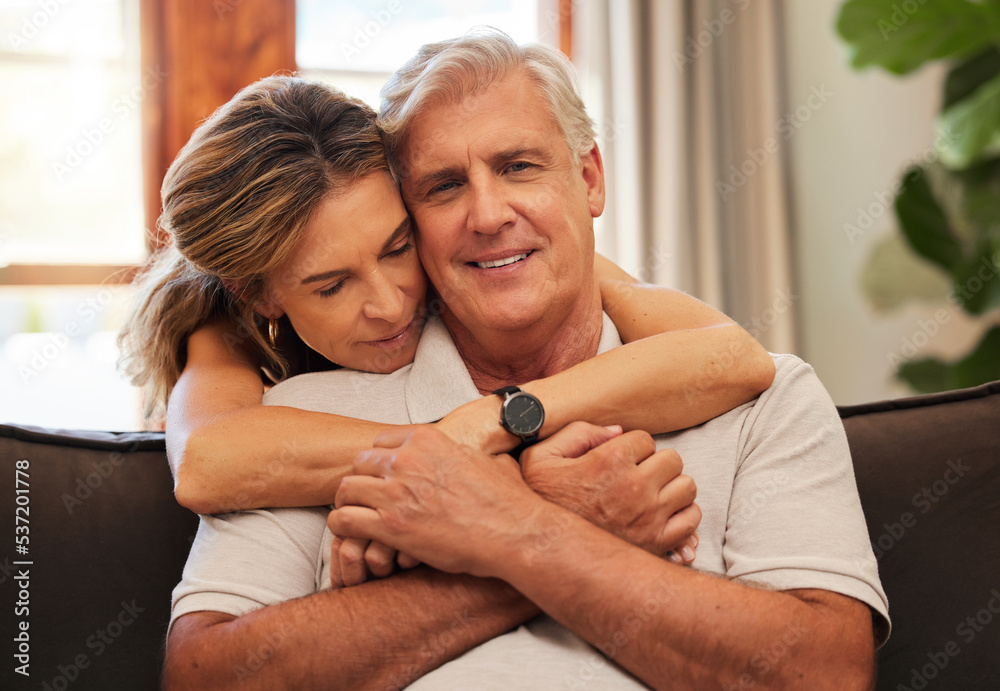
{"x": 775, "y": 484}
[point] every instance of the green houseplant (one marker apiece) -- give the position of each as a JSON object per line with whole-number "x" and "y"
{"x": 948, "y": 206}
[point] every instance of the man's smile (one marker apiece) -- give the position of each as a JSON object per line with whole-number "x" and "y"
{"x": 504, "y": 261}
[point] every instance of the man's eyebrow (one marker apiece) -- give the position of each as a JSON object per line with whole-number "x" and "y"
{"x": 432, "y": 179}
{"x": 519, "y": 152}
{"x": 401, "y": 230}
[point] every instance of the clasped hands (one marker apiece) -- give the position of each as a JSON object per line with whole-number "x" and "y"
{"x": 458, "y": 509}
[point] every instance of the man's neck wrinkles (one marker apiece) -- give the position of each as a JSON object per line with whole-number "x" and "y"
{"x": 520, "y": 356}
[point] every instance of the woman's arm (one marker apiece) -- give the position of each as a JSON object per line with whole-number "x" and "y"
{"x": 229, "y": 452}
{"x": 684, "y": 363}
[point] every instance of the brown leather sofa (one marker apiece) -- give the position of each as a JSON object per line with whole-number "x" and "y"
{"x": 106, "y": 543}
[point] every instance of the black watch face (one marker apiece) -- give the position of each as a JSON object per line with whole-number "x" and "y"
{"x": 523, "y": 414}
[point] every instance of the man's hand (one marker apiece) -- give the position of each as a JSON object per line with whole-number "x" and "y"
{"x": 438, "y": 501}
{"x": 619, "y": 482}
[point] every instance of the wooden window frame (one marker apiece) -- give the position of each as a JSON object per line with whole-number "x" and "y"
{"x": 242, "y": 41}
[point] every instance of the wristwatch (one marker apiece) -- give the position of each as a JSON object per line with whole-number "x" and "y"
{"x": 522, "y": 414}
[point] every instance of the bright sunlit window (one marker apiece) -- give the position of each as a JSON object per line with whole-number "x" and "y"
{"x": 71, "y": 189}
{"x": 71, "y": 176}
{"x": 355, "y": 46}
{"x": 70, "y": 194}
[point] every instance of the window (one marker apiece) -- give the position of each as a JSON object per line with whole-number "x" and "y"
{"x": 71, "y": 182}
{"x": 70, "y": 207}
{"x": 355, "y": 46}
{"x": 72, "y": 222}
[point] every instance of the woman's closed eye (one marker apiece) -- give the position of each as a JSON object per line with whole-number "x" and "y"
{"x": 400, "y": 251}
{"x": 332, "y": 290}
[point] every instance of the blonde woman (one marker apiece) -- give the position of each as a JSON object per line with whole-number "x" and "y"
{"x": 292, "y": 174}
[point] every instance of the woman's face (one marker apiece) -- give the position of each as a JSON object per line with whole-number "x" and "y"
{"x": 354, "y": 289}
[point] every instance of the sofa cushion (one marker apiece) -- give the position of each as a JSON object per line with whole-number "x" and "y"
{"x": 107, "y": 543}
{"x": 928, "y": 471}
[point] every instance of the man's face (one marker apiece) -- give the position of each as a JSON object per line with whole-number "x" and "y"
{"x": 504, "y": 210}
{"x": 354, "y": 289}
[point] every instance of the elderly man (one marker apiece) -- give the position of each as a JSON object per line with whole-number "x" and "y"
{"x": 500, "y": 172}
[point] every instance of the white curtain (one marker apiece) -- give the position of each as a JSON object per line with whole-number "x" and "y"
{"x": 690, "y": 101}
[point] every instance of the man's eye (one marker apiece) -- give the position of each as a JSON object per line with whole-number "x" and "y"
{"x": 443, "y": 187}
{"x": 518, "y": 167}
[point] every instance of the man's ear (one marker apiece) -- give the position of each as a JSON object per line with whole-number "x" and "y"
{"x": 593, "y": 176}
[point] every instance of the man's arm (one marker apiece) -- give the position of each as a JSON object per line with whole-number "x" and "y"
{"x": 264, "y": 565}
{"x": 379, "y": 635}
{"x": 679, "y": 628}
{"x": 390, "y": 632}
{"x": 666, "y": 624}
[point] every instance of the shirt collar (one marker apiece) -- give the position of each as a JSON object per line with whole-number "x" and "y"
{"x": 439, "y": 382}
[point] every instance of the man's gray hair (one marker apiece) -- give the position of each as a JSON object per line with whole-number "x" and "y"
{"x": 448, "y": 71}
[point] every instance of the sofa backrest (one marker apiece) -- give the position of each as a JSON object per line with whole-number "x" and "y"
{"x": 108, "y": 542}
{"x": 928, "y": 472}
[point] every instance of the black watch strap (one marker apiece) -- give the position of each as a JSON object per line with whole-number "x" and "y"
{"x": 505, "y": 391}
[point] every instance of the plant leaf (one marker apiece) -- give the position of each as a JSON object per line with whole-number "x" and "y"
{"x": 977, "y": 281}
{"x": 970, "y": 201}
{"x": 981, "y": 194}
{"x": 963, "y": 79}
{"x": 980, "y": 366}
{"x": 970, "y": 129}
{"x": 923, "y": 222}
{"x": 886, "y": 33}
{"x": 894, "y": 275}
{"x": 929, "y": 375}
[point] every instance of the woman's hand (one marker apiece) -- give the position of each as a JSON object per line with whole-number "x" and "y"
{"x": 354, "y": 561}
{"x": 476, "y": 424}
{"x": 684, "y": 553}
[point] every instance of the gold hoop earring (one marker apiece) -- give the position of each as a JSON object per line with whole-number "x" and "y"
{"x": 272, "y": 332}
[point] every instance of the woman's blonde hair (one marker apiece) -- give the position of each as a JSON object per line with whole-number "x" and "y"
{"x": 235, "y": 202}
